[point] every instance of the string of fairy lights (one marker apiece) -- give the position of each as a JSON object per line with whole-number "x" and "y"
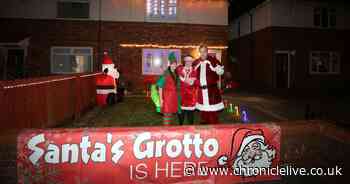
{"x": 47, "y": 81}
{"x": 159, "y": 46}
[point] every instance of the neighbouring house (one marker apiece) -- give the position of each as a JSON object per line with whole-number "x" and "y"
{"x": 292, "y": 45}
{"x": 49, "y": 37}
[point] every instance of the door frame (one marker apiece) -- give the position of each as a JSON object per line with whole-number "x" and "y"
{"x": 289, "y": 53}
{"x": 21, "y": 45}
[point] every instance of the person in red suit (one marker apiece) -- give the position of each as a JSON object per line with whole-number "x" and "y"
{"x": 188, "y": 91}
{"x": 209, "y": 101}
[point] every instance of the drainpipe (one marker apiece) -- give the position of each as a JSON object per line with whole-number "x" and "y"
{"x": 251, "y": 47}
{"x": 4, "y": 56}
{"x": 99, "y": 35}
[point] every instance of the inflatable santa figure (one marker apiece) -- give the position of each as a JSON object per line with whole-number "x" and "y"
{"x": 106, "y": 87}
{"x": 209, "y": 101}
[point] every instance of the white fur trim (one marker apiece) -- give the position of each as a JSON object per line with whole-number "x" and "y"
{"x": 205, "y": 96}
{"x": 188, "y": 108}
{"x": 203, "y": 82}
{"x": 106, "y": 91}
{"x": 247, "y": 140}
{"x": 210, "y": 108}
{"x": 203, "y": 74}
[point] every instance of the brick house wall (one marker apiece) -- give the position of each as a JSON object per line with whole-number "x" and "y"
{"x": 289, "y": 26}
{"x": 255, "y": 55}
{"x": 47, "y": 33}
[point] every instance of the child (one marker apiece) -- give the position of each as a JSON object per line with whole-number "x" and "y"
{"x": 187, "y": 77}
{"x": 169, "y": 89}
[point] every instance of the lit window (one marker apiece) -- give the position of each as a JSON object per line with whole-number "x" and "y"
{"x": 324, "y": 63}
{"x": 161, "y": 9}
{"x": 155, "y": 61}
{"x": 66, "y": 60}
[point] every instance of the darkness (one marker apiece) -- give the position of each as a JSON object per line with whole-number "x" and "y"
{"x": 238, "y": 7}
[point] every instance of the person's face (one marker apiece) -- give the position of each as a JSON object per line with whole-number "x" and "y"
{"x": 173, "y": 66}
{"x": 203, "y": 53}
{"x": 188, "y": 63}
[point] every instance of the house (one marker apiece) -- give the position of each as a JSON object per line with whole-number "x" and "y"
{"x": 49, "y": 37}
{"x": 292, "y": 45}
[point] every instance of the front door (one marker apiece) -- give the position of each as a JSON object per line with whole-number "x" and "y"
{"x": 15, "y": 64}
{"x": 282, "y": 70}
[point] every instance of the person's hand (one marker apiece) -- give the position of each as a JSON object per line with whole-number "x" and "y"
{"x": 219, "y": 70}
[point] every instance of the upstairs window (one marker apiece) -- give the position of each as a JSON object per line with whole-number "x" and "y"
{"x": 325, "y": 17}
{"x": 76, "y": 9}
{"x": 161, "y": 9}
{"x": 324, "y": 62}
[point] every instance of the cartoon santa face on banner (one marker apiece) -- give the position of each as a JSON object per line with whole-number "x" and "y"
{"x": 252, "y": 152}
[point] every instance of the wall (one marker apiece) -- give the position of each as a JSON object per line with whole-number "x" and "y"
{"x": 44, "y": 35}
{"x": 303, "y": 41}
{"x": 212, "y": 12}
{"x": 287, "y": 13}
{"x": 254, "y": 56}
{"x": 261, "y": 17}
{"x": 300, "y": 13}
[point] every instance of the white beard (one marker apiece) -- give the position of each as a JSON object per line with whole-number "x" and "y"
{"x": 265, "y": 161}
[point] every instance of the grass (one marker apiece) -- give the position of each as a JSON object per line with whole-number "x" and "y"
{"x": 140, "y": 111}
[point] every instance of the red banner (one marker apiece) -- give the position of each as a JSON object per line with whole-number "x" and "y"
{"x": 179, "y": 154}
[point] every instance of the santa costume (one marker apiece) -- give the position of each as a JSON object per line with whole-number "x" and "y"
{"x": 209, "y": 101}
{"x": 169, "y": 92}
{"x": 188, "y": 90}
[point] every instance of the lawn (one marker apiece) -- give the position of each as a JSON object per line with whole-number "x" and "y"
{"x": 140, "y": 111}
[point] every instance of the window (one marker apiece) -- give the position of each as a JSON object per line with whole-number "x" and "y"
{"x": 155, "y": 61}
{"x": 325, "y": 17}
{"x": 161, "y": 9}
{"x": 66, "y": 60}
{"x": 78, "y": 9}
{"x": 324, "y": 63}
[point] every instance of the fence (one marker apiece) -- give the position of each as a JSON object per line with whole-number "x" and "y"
{"x": 45, "y": 102}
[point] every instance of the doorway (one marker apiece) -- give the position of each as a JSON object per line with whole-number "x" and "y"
{"x": 12, "y": 64}
{"x": 282, "y": 69}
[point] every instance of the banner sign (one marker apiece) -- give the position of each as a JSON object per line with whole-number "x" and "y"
{"x": 178, "y": 154}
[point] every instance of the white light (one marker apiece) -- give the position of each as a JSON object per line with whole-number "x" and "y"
{"x": 157, "y": 62}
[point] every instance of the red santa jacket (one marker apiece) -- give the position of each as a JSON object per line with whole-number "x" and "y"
{"x": 209, "y": 96}
{"x": 188, "y": 91}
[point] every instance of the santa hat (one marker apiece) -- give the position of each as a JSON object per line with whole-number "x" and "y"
{"x": 106, "y": 59}
{"x": 242, "y": 138}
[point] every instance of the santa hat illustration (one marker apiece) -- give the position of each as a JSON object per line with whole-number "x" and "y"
{"x": 242, "y": 137}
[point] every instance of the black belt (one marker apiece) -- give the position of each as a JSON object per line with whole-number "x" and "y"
{"x": 206, "y": 87}
{"x": 105, "y": 87}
